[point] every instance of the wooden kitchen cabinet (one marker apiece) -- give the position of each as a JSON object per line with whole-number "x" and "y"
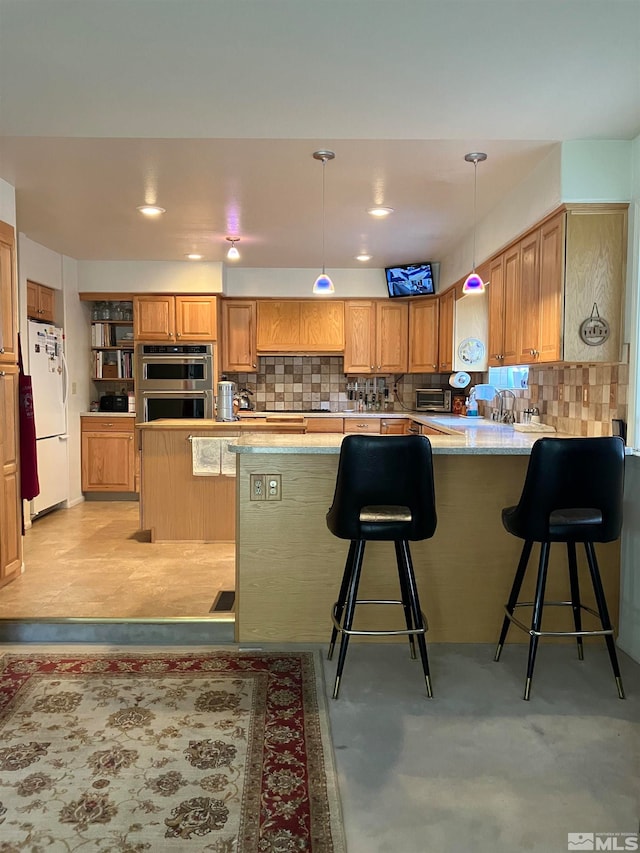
{"x": 362, "y": 425}
{"x": 41, "y": 302}
{"x": 238, "y": 345}
{"x": 10, "y": 500}
{"x": 182, "y": 319}
{"x": 394, "y": 426}
{"x": 543, "y": 288}
{"x": 8, "y": 297}
{"x": 10, "y": 497}
{"x": 300, "y": 326}
{"x": 376, "y": 336}
{"x": 445, "y": 330}
{"x": 325, "y": 424}
{"x": 108, "y": 454}
{"x": 424, "y": 317}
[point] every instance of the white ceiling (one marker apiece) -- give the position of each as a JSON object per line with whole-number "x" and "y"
{"x": 212, "y": 109}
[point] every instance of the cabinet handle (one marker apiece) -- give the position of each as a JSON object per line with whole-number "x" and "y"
{"x": 177, "y": 334}
{"x": 2, "y": 373}
{"x": 373, "y": 367}
{"x": 254, "y": 364}
{"x": 434, "y": 365}
{"x": 362, "y": 426}
{"x": 1, "y": 350}
{"x": 130, "y": 438}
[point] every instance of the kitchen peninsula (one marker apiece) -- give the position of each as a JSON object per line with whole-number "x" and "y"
{"x": 288, "y": 565}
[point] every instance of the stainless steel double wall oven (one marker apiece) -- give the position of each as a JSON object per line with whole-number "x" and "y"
{"x": 174, "y": 381}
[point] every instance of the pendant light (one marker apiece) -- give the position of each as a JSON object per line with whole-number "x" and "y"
{"x": 323, "y": 283}
{"x": 474, "y": 283}
{"x": 233, "y": 254}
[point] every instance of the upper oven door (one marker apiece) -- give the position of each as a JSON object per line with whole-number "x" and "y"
{"x": 174, "y": 371}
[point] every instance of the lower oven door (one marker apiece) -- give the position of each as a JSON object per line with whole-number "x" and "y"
{"x": 154, "y": 405}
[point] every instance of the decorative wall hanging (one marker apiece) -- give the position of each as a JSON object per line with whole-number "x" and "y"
{"x": 594, "y": 331}
{"x": 471, "y": 351}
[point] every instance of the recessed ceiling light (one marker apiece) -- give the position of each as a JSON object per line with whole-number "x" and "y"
{"x": 363, "y": 257}
{"x": 151, "y": 210}
{"x": 380, "y": 212}
{"x": 194, "y": 256}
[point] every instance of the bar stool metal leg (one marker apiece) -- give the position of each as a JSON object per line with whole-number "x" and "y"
{"x": 513, "y": 595}
{"x": 350, "y": 607}
{"x": 406, "y": 603}
{"x": 604, "y": 614}
{"x": 575, "y": 594}
{"x": 536, "y": 620}
{"x": 342, "y": 596}
{"x": 416, "y": 611}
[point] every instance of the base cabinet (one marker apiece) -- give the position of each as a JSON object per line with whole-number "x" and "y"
{"x": 10, "y": 517}
{"x": 108, "y": 455}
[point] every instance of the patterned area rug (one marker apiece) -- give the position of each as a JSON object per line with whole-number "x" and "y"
{"x": 227, "y": 752}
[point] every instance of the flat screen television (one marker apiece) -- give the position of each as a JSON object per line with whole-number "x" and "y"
{"x": 410, "y": 280}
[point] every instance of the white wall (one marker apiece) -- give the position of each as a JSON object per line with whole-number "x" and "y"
{"x": 7, "y": 203}
{"x": 299, "y": 282}
{"x": 528, "y": 202}
{"x": 150, "y": 276}
{"x": 596, "y": 170}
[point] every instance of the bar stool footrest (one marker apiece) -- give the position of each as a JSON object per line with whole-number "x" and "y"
{"x": 528, "y": 630}
{"x": 379, "y": 632}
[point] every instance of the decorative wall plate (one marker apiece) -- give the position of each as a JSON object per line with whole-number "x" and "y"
{"x": 471, "y": 351}
{"x": 594, "y": 331}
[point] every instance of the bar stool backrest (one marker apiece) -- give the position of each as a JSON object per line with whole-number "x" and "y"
{"x": 572, "y": 473}
{"x": 384, "y": 470}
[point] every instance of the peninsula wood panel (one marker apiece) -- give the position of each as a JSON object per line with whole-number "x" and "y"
{"x": 289, "y": 566}
{"x": 175, "y": 505}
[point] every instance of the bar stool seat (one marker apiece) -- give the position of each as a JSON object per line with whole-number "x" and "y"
{"x": 572, "y": 493}
{"x": 384, "y": 492}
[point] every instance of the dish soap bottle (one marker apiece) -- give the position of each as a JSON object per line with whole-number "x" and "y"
{"x": 472, "y": 404}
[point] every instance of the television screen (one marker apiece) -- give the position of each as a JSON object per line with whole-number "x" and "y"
{"x": 410, "y": 280}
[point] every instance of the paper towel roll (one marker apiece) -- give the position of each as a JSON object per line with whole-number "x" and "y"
{"x": 459, "y": 380}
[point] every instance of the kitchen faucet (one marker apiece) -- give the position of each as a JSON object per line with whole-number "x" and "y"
{"x": 502, "y": 414}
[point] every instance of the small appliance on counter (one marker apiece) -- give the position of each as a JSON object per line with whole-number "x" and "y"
{"x": 114, "y": 403}
{"x": 433, "y": 400}
{"x": 244, "y": 403}
{"x": 224, "y": 402}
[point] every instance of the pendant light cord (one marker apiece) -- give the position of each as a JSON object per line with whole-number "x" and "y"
{"x": 475, "y": 211}
{"x": 324, "y": 163}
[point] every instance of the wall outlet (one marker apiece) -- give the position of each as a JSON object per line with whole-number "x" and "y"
{"x": 274, "y": 487}
{"x": 257, "y": 487}
{"x": 585, "y": 395}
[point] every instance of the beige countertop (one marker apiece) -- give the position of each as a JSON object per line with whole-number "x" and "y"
{"x": 223, "y": 427}
{"x": 107, "y": 414}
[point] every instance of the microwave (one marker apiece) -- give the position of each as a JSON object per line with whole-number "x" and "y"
{"x": 433, "y": 400}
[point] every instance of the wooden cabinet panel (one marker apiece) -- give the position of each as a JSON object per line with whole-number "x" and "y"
{"x": 392, "y": 329}
{"x": 322, "y": 326}
{"x": 529, "y": 316}
{"x": 109, "y": 457}
{"x": 552, "y": 241}
{"x": 160, "y": 317}
{"x": 496, "y": 312}
{"x": 196, "y": 318}
{"x": 423, "y": 335}
{"x": 362, "y": 425}
{"x": 278, "y": 325}
{"x": 394, "y": 426}
{"x": 445, "y": 330}
{"x": 300, "y": 325}
{"x": 239, "y": 335}
{"x": 10, "y": 514}
{"x": 511, "y": 335}
{"x": 40, "y": 302}
{"x": 154, "y": 318}
{"x": 8, "y": 297}
{"x": 325, "y": 424}
{"x": 360, "y": 334}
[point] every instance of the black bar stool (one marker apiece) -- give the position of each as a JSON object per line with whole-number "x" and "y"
{"x": 384, "y": 492}
{"x": 572, "y": 493}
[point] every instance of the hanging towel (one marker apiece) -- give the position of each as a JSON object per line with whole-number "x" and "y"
{"x": 205, "y": 456}
{"x": 227, "y": 460}
{"x": 29, "y": 484}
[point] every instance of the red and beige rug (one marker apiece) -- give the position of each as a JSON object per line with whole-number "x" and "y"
{"x": 227, "y": 752}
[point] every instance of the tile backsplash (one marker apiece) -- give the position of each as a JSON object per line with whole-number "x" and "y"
{"x": 318, "y": 382}
{"x": 578, "y": 400}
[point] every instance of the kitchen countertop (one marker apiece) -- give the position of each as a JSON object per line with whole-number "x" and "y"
{"x": 107, "y": 414}
{"x": 466, "y": 437}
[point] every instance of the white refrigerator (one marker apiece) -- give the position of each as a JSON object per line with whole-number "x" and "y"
{"x": 49, "y": 379}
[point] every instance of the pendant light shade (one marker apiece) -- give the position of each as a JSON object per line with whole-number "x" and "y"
{"x": 233, "y": 254}
{"x": 474, "y": 283}
{"x": 323, "y": 284}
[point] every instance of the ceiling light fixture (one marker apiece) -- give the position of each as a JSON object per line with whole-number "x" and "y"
{"x": 194, "y": 256}
{"x": 363, "y": 257}
{"x": 151, "y": 210}
{"x": 233, "y": 254}
{"x": 380, "y": 212}
{"x": 474, "y": 283}
{"x": 323, "y": 283}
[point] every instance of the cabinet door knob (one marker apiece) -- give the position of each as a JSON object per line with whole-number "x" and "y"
{"x": 178, "y": 335}
{"x": 2, "y": 373}
{"x": 254, "y": 364}
{"x": 1, "y": 350}
{"x": 373, "y": 367}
